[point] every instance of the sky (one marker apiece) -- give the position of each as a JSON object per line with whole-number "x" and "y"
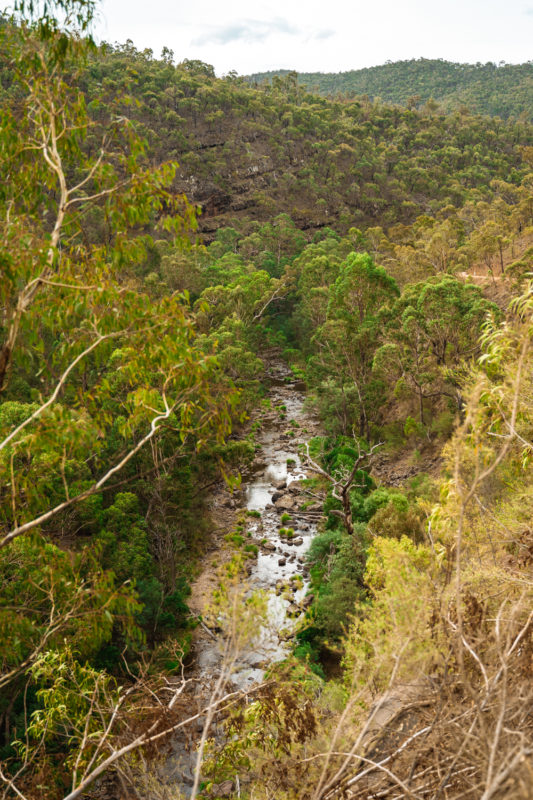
{"x": 321, "y": 35}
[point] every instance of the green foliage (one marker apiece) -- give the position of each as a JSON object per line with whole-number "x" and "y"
{"x": 70, "y": 691}
{"x": 398, "y": 575}
{"x": 429, "y": 331}
{"x": 341, "y": 370}
{"x": 51, "y": 594}
{"x": 125, "y": 539}
{"x": 337, "y": 577}
{"x": 307, "y": 653}
{"x": 497, "y": 89}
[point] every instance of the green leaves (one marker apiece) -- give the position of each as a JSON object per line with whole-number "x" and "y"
{"x": 428, "y": 332}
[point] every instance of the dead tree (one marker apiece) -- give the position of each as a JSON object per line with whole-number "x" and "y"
{"x": 342, "y": 482}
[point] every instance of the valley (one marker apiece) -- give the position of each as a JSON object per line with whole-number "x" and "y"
{"x": 266, "y": 426}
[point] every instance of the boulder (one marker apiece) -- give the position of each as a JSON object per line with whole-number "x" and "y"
{"x": 285, "y": 503}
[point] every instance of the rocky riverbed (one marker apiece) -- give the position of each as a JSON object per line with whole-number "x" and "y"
{"x": 281, "y": 515}
{"x": 272, "y": 488}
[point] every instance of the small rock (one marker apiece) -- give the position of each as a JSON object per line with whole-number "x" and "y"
{"x": 298, "y": 541}
{"x": 282, "y": 484}
{"x": 268, "y": 546}
{"x": 282, "y": 562}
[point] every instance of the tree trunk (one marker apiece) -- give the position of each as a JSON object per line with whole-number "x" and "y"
{"x": 347, "y": 510}
{"x": 5, "y": 357}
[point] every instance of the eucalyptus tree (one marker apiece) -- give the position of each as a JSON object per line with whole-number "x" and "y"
{"x": 428, "y": 333}
{"x": 346, "y": 342}
{"x": 92, "y": 369}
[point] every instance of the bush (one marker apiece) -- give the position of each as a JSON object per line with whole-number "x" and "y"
{"x": 443, "y": 425}
{"x": 414, "y": 429}
{"x": 399, "y": 518}
{"x": 308, "y": 653}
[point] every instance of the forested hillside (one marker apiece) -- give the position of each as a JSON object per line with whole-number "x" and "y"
{"x": 173, "y": 247}
{"x": 500, "y": 90}
{"x": 248, "y": 153}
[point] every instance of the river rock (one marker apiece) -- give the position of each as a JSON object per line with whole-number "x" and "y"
{"x": 285, "y": 503}
{"x": 282, "y": 562}
{"x": 279, "y": 484}
{"x": 270, "y": 546}
{"x": 298, "y": 541}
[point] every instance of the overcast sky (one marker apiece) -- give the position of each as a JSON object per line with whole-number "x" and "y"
{"x": 322, "y": 35}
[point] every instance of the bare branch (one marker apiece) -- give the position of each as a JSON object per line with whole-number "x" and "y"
{"x": 37, "y": 413}
{"x": 155, "y": 425}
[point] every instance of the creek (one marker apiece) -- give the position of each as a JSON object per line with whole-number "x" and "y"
{"x": 279, "y": 568}
{"x": 271, "y": 487}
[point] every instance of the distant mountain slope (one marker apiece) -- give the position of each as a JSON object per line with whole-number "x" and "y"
{"x": 246, "y": 154}
{"x": 504, "y": 91}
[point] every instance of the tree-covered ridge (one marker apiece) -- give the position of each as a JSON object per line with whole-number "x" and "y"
{"x": 500, "y": 90}
{"x": 247, "y": 153}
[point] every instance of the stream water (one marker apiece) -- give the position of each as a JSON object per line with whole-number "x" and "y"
{"x": 280, "y": 562}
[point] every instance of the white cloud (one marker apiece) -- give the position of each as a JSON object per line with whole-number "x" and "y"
{"x": 248, "y": 30}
